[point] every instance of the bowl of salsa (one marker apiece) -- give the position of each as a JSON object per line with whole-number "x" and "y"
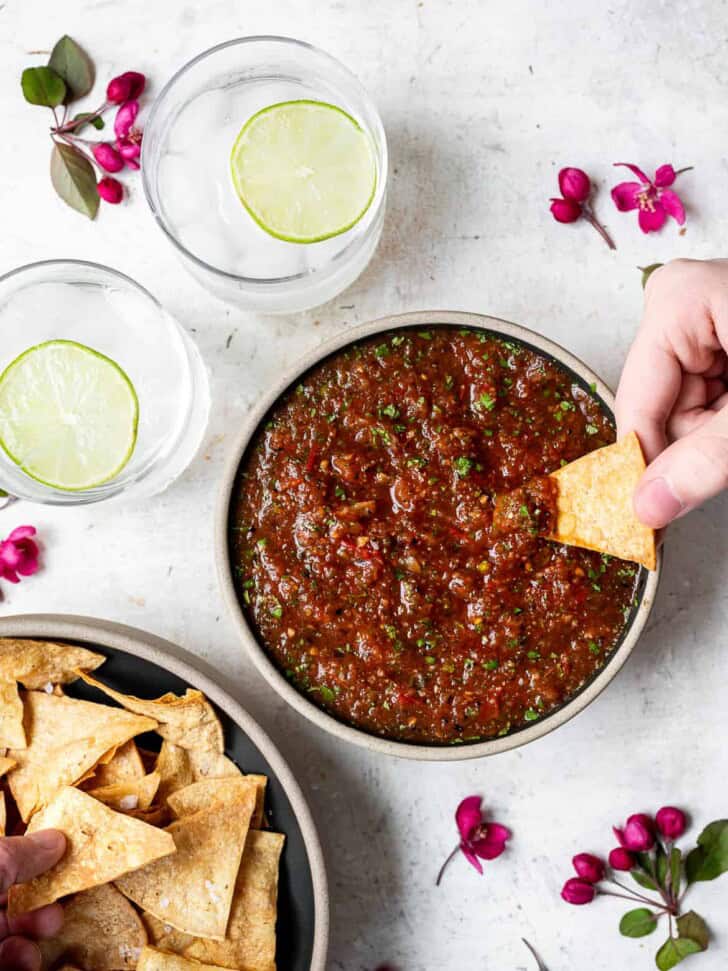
{"x": 380, "y": 539}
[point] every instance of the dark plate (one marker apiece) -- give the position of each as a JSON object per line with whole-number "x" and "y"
{"x": 302, "y": 899}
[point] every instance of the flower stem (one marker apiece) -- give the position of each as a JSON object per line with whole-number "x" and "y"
{"x": 444, "y": 865}
{"x": 635, "y": 894}
{"x": 688, "y": 168}
{"x": 634, "y": 899}
{"x": 591, "y": 218}
{"x": 74, "y": 123}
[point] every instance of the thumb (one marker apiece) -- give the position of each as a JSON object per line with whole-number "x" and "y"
{"x": 687, "y": 473}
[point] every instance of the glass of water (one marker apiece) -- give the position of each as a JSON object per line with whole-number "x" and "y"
{"x": 110, "y": 318}
{"x": 188, "y": 140}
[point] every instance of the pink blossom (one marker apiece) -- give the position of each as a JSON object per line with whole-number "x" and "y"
{"x": 18, "y": 554}
{"x": 128, "y": 137}
{"x": 577, "y": 891}
{"x": 110, "y": 190}
{"x": 128, "y": 85}
{"x": 653, "y": 197}
{"x": 638, "y": 835}
{"x": 108, "y": 157}
{"x": 479, "y": 840}
{"x": 575, "y": 187}
{"x": 671, "y": 822}
{"x": 621, "y": 859}
{"x": 589, "y": 867}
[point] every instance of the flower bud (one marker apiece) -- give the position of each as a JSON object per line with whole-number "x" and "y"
{"x": 621, "y": 859}
{"x": 108, "y": 157}
{"x": 128, "y": 85}
{"x": 565, "y": 210}
{"x": 638, "y": 834}
{"x": 578, "y": 892}
{"x": 574, "y": 184}
{"x": 671, "y": 822}
{"x": 110, "y": 190}
{"x": 589, "y": 867}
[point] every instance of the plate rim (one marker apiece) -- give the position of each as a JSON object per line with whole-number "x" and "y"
{"x": 165, "y": 654}
{"x": 255, "y": 650}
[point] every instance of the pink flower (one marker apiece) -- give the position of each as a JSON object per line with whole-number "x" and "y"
{"x": 128, "y": 85}
{"x": 589, "y": 867}
{"x": 110, "y": 190}
{"x": 18, "y": 554}
{"x": 574, "y": 184}
{"x": 654, "y": 199}
{"x": 108, "y": 157}
{"x": 621, "y": 859}
{"x": 577, "y": 891}
{"x": 479, "y": 840}
{"x": 575, "y": 187}
{"x": 671, "y": 822}
{"x": 128, "y": 137}
{"x": 638, "y": 835}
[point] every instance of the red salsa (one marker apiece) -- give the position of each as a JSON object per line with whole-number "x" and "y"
{"x": 386, "y": 537}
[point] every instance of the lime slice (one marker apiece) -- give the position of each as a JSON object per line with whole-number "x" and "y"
{"x": 304, "y": 170}
{"x": 68, "y": 415}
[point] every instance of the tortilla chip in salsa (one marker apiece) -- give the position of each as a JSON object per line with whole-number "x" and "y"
{"x": 594, "y": 503}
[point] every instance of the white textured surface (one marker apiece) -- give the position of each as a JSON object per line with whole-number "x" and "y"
{"x": 482, "y": 102}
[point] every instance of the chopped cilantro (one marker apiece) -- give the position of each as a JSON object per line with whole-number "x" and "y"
{"x": 594, "y": 647}
{"x": 486, "y": 401}
{"x": 381, "y": 350}
{"x": 530, "y": 715}
{"x": 463, "y": 465}
{"x": 591, "y": 430}
{"x": 390, "y": 411}
{"x": 491, "y": 665}
{"x": 425, "y": 334}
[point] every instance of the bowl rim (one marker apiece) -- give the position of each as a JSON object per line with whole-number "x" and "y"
{"x": 378, "y": 135}
{"x": 266, "y": 667}
{"x": 166, "y": 654}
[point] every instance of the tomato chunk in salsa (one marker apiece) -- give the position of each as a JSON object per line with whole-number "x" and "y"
{"x": 385, "y": 534}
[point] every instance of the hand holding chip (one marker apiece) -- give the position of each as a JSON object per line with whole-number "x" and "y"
{"x": 674, "y": 389}
{"x": 21, "y": 859}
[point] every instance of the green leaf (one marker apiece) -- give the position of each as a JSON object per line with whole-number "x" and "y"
{"x": 674, "y": 950}
{"x": 42, "y": 86}
{"x": 675, "y": 870}
{"x": 74, "y": 65}
{"x": 637, "y": 923}
{"x": 693, "y": 926}
{"x": 710, "y": 857}
{"x": 73, "y": 179}
{"x": 647, "y": 272}
{"x": 84, "y": 118}
{"x": 643, "y": 879}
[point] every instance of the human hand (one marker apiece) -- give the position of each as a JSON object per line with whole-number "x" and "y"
{"x": 674, "y": 389}
{"x": 21, "y": 859}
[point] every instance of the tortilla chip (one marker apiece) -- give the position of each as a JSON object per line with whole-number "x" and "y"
{"x": 125, "y": 764}
{"x": 66, "y": 737}
{"x": 594, "y": 503}
{"x": 153, "y": 960}
{"x": 180, "y": 767}
{"x": 3, "y": 814}
{"x": 39, "y": 663}
{"x": 193, "y": 889}
{"x": 101, "y": 932}
{"x": 164, "y": 936}
{"x": 102, "y": 846}
{"x": 251, "y": 933}
{"x": 6, "y": 764}
{"x": 188, "y": 720}
{"x": 134, "y": 794}
{"x": 209, "y": 792}
{"x": 12, "y": 733}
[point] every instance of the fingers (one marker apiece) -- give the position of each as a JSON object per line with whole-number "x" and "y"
{"x": 693, "y": 469}
{"x": 19, "y": 954}
{"x": 24, "y": 857}
{"x": 643, "y": 405}
{"x": 44, "y": 922}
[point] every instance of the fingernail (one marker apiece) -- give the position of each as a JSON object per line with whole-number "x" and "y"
{"x": 50, "y": 840}
{"x": 656, "y": 504}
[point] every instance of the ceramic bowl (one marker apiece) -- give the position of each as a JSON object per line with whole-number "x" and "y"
{"x": 647, "y": 586}
{"x": 142, "y": 664}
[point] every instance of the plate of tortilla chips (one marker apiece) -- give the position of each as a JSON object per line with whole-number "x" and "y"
{"x": 189, "y": 843}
